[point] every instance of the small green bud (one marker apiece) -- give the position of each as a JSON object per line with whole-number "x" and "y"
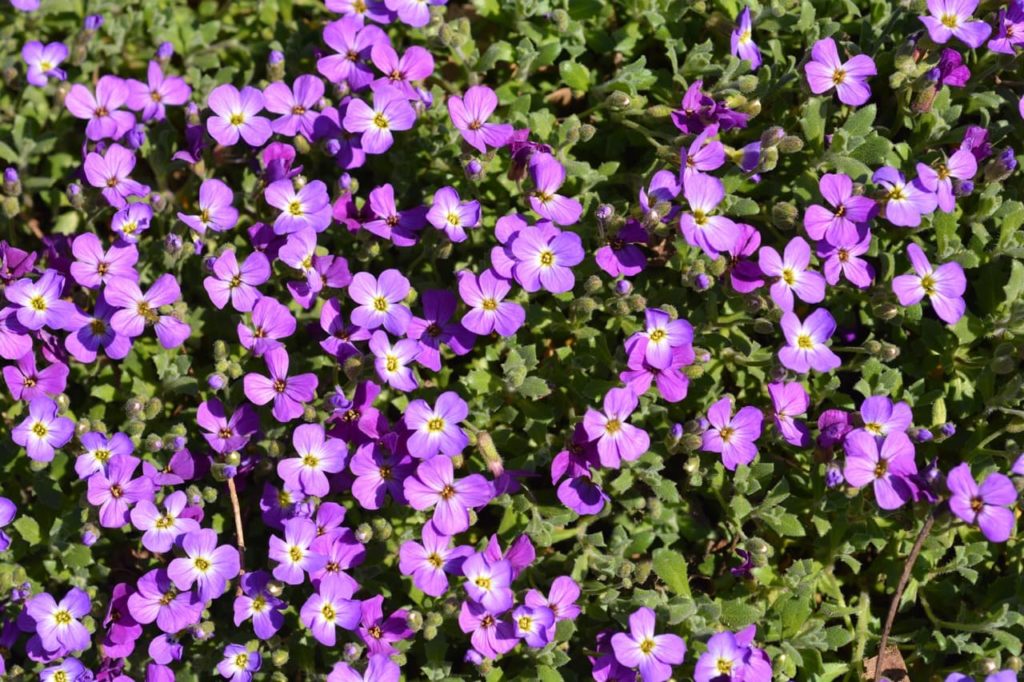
{"x": 414, "y": 619}
{"x": 560, "y": 18}
{"x": 689, "y": 443}
{"x": 873, "y": 347}
{"x": 135, "y": 428}
{"x": 718, "y": 267}
{"x": 763, "y": 326}
{"x": 791, "y": 144}
{"x": 220, "y": 350}
{"x": 434, "y": 618}
{"x": 364, "y": 533}
{"x": 889, "y": 352}
{"x": 747, "y": 84}
{"x": 209, "y": 495}
{"x": 587, "y": 132}
{"x": 381, "y": 528}
{"x": 643, "y": 571}
{"x": 592, "y": 285}
{"x": 233, "y": 458}
{"x": 885, "y": 311}
{"x": 1003, "y": 365}
{"x": 154, "y": 443}
{"x": 12, "y": 207}
{"x": 279, "y": 658}
{"x": 153, "y": 408}
{"x": 785, "y": 215}
{"x": 429, "y": 632}
{"x": 769, "y": 159}
{"x": 618, "y": 101}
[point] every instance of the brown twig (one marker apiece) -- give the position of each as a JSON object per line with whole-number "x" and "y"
{"x": 236, "y": 508}
{"x": 908, "y": 567}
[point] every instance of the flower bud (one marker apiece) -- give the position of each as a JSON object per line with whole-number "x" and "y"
{"x": 1001, "y": 166}
{"x": 382, "y": 530}
{"x": 429, "y": 632}
{"x": 889, "y": 352}
{"x": 790, "y": 144}
{"x": 279, "y": 657}
{"x": 618, "y": 101}
{"x": 275, "y": 65}
{"x": 164, "y": 52}
{"x": 154, "y": 443}
{"x": 689, "y": 443}
{"x": 474, "y": 170}
{"x": 364, "y": 533}
{"x": 90, "y": 535}
{"x": 153, "y": 408}
{"x": 885, "y": 311}
{"x": 414, "y": 620}
{"x": 11, "y": 207}
{"x": 747, "y": 84}
{"x": 587, "y": 132}
{"x": 1003, "y": 364}
{"x": 623, "y": 287}
{"x": 785, "y": 215}
{"x": 209, "y": 495}
{"x": 12, "y": 182}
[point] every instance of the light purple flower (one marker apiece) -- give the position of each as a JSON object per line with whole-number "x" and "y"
{"x": 102, "y": 110}
{"x": 943, "y": 285}
{"x": 489, "y": 311}
{"x": 352, "y": 41}
{"x": 789, "y": 400}
{"x": 93, "y": 266}
{"x": 231, "y": 282}
{"x": 308, "y": 207}
{"x": 548, "y": 176}
{"x": 131, "y": 221}
{"x": 847, "y": 261}
{"x": 380, "y": 667}
{"x": 741, "y": 41}
{"x": 294, "y": 555}
{"x": 887, "y": 464}
{"x": 153, "y": 96}
{"x": 239, "y": 663}
{"x": 616, "y": 439}
{"x": 8, "y": 510}
{"x": 401, "y": 227}
{"x": 38, "y": 303}
{"x": 704, "y": 154}
{"x": 488, "y": 583}
{"x": 257, "y": 603}
{"x": 379, "y": 470}
{"x": 288, "y": 393}
{"x": 390, "y": 112}
{"x": 90, "y": 333}
{"x": 711, "y": 233}
{"x": 1009, "y": 29}
{"x": 437, "y": 328}
{"x": 435, "y": 430}
{"x": 450, "y": 214}
{"x": 805, "y": 347}
{"x": 296, "y": 105}
{"x": 236, "y": 116}
{"x": 469, "y": 114}
{"x": 44, "y": 61}
{"x": 110, "y": 173}
{"x": 491, "y": 636}
{"x": 545, "y": 257}
{"x": 42, "y": 431}
{"x": 622, "y": 255}
{"x": 826, "y": 71}
{"x": 561, "y": 599}
{"x": 881, "y": 416}
{"x": 430, "y": 562}
{"x": 415, "y": 64}
{"x": 226, "y": 434}
{"x": 843, "y": 224}
{"x": 415, "y": 13}
{"x": 139, "y": 309}
{"x": 533, "y": 625}
{"x": 905, "y": 202}
{"x": 270, "y": 321}
{"x": 734, "y": 436}
{"x": 115, "y": 490}
{"x": 434, "y": 485}
{"x": 380, "y": 633}
{"x": 317, "y": 456}
{"x": 794, "y": 274}
{"x": 989, "y": 505}
{"x": 392, "y": 360}
{"x": 380, "y": 301}
{"x": 952, "y": 19}
{"x": 26, "y": 382}
{"x": 654, "y": 655}
{"x": 215, "y": 210}
{"x": 57, "y": 623}
{"x": 961, "y": 165}
{"x": 328, "y": 609}
{"x": 661, "y": 335}
{"x": 205, "y": 564}
{"x": 161, "y": 530}
{"x": 158, "y": 600}
{"x": 733, "y": 658}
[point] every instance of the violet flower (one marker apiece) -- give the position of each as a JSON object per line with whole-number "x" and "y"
{"x": 352, "y": 41}
{"x": 236, "y": 116}
{"x": 131, "y": 221}
{"x": 741, "y": 41}
{"x": 734, "y": 436}
{"x": 152, "y": 97}
{"x": 1009, "y": 29}
{"x": 711, "y": 233}
{"x": 435, "y": 430}
{"x": 93, "y": 266}
{"x": 961, "y": 165}
{"x": 846, "y": 221}
{"x": 654, "y": 655}
{"x": 38, "y": 303}
{"x": 102, "y": 111}
{"x": 392, "y": 360}
{"x": 621, "y": 255}
{"x": 161, "y": 530}
{"x": 826, "y": 71}
{"x": 989, "y": 505}
{"x": 434, "y": 485}
{"x": 794, "y": 274}
{"x": 206, "y": 565}
{"x": 317, "y": 456}
{"x": 110, "y": 173}
{"x": 943, "y": 285}
{"x": 451, "y": 215}
{"x": 390, "y": 112}
{"x": 26, "y": 382}
{"x": 380, "y": 301}
{"x": 548, "y": 176}
{"x": 415, "y": 13}
{"x": 469, "y": 115}
{"x": 215, "y": 210}
{"x": 952, "y": 19}
{"x": 789, "y": 400}
{"x": 328, "y": 609}
{"x": 139, "y": 309}
{"x": 616, "y": 439}
{"x": 544, "y": 259}
{"x": 288, "y": 393}
{"x": 237, "y": 284}
{"x": 950, "y": 70}
{"x": 239, "y": 663}
{"x": 847, "y": 261}
{"x": 401, "y": 227}
{"x": 42, "y": 431}
{"x": 430, "y": 562}
{"x": 294, "y": 555}
{"x": 380, "y": 667}
{"x": 222, "y": 433}
{"x": 157, "y": 600}
{"x": 491, "y": 636}
{"x": 905, "y": 202}
{"x": 256, "y": 603}
{"x": 415, "y": 64}
{"x": 805, "y": 347}
{"x": 270, "y": 321}
{"x": 488, "y": 583}
{"x": 378, "y": 632}
{"x": 43, "y": 62}
{"x": 296, "y": 105}
{"x": 57, "y": 623}
{"x": 115, "y": 490}
{"x": 379, "y": 470}
{"x": 888, "y": 466}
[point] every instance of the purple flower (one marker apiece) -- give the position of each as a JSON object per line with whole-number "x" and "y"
{"x": 790, "y": 399}
{"x": 488, "y": 583}
{"x": 671, "y": 381}
{"x": 380, "y": 667}
{"x": 450, "y": 214}
{"x": 1009, "y": 29}
{"x": 416, "y": 64}
{"x": 237, "y": 283}
{"x": 952, "y": 19}
{"x": 661, "y": 335}
{"x": 68, "y": 669}
{"x": 961, "y": 165}
{"x": 401, "y": 227}
{"x": 8, "y": 510}
{"x": 429, "y": 562}
{"x": 215, "y": 210}
{"x": 361, "y": 10}
{"x": 110, "y": 173}
{"x": 548, "y": 176}
{"x": 43, "y": 62}
{"x": 352, "y": 42}
{"x": 158, "y": 600}
{"x": 328, "y": 609}
{"x": 544, "y": 258}
{"x": 654, "y": 655}
{"x": 616, "y": 439}
{"x": 469, "y": 114}
{"x": 317, "y": 456}
{"x": 236, "y": 115}
{"x": 742, "y": 43}
{"x": 138, "y": 310}
{"x": 26, "y": 382}
{"x": 490, "y": 636}
{"x": 534, "y": 625}
{"x": 905, "y": 201}
{"x": 308, "y": 207}
{"x": 415, "y": 13}
{"x": 843, "y": 224}
{"x": 826, "y": 71}
{"x": 794, "y": 275}
{"x": 296, "y": 105}
{"x": 390, "y": 112}
{"x": 206, "y": 565}
{"x": 805, "y": 347}
{"x": 621, "y": 255}
{"x": 698, "y": 111}
{"x": 293, "y": 554}
{"x": 734, "y": 436}
{"x": 888, "y": 467}
{"x": 380, "y": 301}
{"x": 226, "y": 434}
{"x": 733, "y": 658}
{"x": 90, "y": 333}
{"x": 435, "y": 430}
{"x": 711, "y": 233}
{"x": 38, "y": 303}
{"x": 131, "y": 221}
{"x": 950, "y": 70}
{"x": 161, "y": 530}
{"x": 114, "y": 490}
{"x": 989, "y": 505}
{"x": 379, "y": 470}
{"x": 379, "y": 632}
{"x": 42, "y": 431}
{"x": 434, "y": 485}
{"x": 152, "y": 97}
{"x": 57, "y": 623}
{"x": 257, "y": 603}
{"x": 846, "y": 260}
{"x": 489, "y": 311}
{"x": 561, "y": 599}
{"x": 239, "y": 663}
{"x": 881, "y": 416}
{"x": 93, "y": 266}
{"x": 102, "y": 110}
{"x": 436, "y": 328}
{"x": 289, "y": 393}
{"x": 944, "y": 286}
{"x": 392, "y": 360}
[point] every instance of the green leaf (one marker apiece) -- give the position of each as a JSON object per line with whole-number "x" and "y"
{"x": 670, "y": 567}
{"x": 534, "y": 388}
{"x": 548, "y": 674}
{"x": 28, "y": 529}
{"x": 575, "y": 75}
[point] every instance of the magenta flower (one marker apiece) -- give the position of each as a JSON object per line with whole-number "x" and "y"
{"x": 392, "y": 360}
{"x": 951, "y": 70}
{"x": 293, "y": 554}
{"x": 545, "y": 257}
{"x": 847, "y": 261}
{"x": 138, "y": 310}
{"x": 42, "y": 431}
{"x": 236, "y": 116}
{"x": 1009, "y": 29}
{"x": 415, "y": 64}
{"x": 989, "y": 505}
{"x": 38, "y": 303}
{"x": 93, "y": 266}
{"x": 843, "y": 224}
{"x": 435, "y": 430}
{"x": 434, "y": 485}
{"x": 158, "y": 600}
{"x": 616, "y": 438}
{"x": 258, "y": 604}
{"x": 296, "y": 105}
{"x": 654, "y": 655}
{"x": 226, "y": 434}
{"x": 317, "y": 456}
{"x": 270, "y": 321}
{"x": 308, "y": 207}
{"x": 390, "y": 112}
{"x": 288, "y": 393}
{"x": 711, "y": 233}
{"x": 153, "y": 96}
{"x": 239, "y": 664}
{"x": 450, "y": 214}
{"x": 490, "y": 312}
{"x": 361, "y": 10}
{"x": 378, "y": 632}
{"x": 734, "y": 436}
{"x": 237, "y": 284}
{"x": 102, "y": 110}
{"x": 881, "y": 416}
{"x": 731, "y": 657}
{"x": 328, "y": 609}
{"x": 805, "y": 347}
{"x": 469, "y": 114}
{"x": 704, "y": 154}
{"x": 944, "y": 286}
{"x": 215, "y": 210}
{"x": 741, "y": 41}
{"x": 205, "y": 564}
{"x": 161, "y": 530}
{"x": 826, "y": 71}
{"x": 114, "y": 491}
{"x": 380, "y": 301}
{"x": 352, "y": 42}
{"x": 110, "y": 173}
{"x": 671, "y": 381}
{"x": 789, "y": 400}
{"x": 548, "y": 176}
{"x": 794, "y": 275}
{"x": 379, "y": 470}
{"x": 888, "y": 468}
{"x": 961, "y": 165}
{"x": 57, "y": 623}
{"x": 952, "y": 19}
{"x": 491, "y": 636}
{"x": 905, "y": 201}
{"x": 561, "y": 599}
{"x": 430, "y": 563}
{"x": 26, "y": 382}
{"x": 43, "y": 62}
{"x": 131, "y": 221}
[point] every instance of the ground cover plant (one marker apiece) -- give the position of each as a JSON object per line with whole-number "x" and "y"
{"x": 528, "y": 340}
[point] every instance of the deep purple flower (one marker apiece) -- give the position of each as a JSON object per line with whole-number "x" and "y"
{"x": 843, "y": 224}
{"x": 436, "y": 327}
{"x": 989, "y": 505}
{"x": 390, "y": 112}
{"x": 205, "y": 564}
{"x": 1009, "y": 29}
{"x": 110, "y": 173}
{"x": 952, "y": 19}
{"x": 236, "y": 116}
{"x": 386, "y": 221}
{"x": 654, "y": 655}
{"x": 289, "y": 393}
{"x": 102, "y": 110}
{"x": 26, "y": 382}
{"x": 805, "y": 347}
{"x": 734, "y": 436}
{"x": 434, "y": 485}
{"x": 943, "y": 285}
{"x": 93, "y": 266}
{"x": 158, "y": 600}
{"x": 115, "y": 490}
{"x": 152, "y": 97}
{"x": 139, "y": 309}
{"x": 698, "y": 111}
{"x": 43, "y": 62}
{"x": 671, "y": 381}
{"x": 317, "y": 456}
{"x": 491, "y": 636}
{"x": 42, "y": 431}
{"x": 950, "y": 70}
{"x": 226, "y": 434}
{"x": 378, "y": 632}
{"x": 469, "y": 114}
{"x": 258, "y": 604}
{"x": 621, "y": 255}
{"x": 741, "y": 41}
{"x": 8, "y": 510}
{"x": 296, "y": 105}
{"x": 616, "y": 439}
{"x": 887, "y": 465}
{"x": 90, "y": 333}
{"x": 38, "y": 303}
{"x": 826, "y": 71}
{"x": 380, "y": 470}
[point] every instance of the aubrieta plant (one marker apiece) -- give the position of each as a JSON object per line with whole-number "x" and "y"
{"x": 624, "y": 340}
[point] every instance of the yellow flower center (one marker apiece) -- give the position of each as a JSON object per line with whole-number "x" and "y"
{"x": 483, "y": 583}
{"x": 928, "y": 284}
{"x": 612, "y": 426}
{"x": 489, "y": 304}
{"x": 391, "y": 363}
{"x": 436, "y": 424}
{"x": 327, "y": 611}
{"x": 237, "y": 119}
{"x": 295, "y": 207}
{"x": 838, "y": 76}
{"x": 804, "y": 342}
{"x": 38, "y": 303}
{"x": 295, "y": 554}
{"x": 201, "y": 564}
{"x": 647, "y": 646}
{"x": 950, "y": 20}
{"x": 310, "y": 461}
{"x": 40, "y": 430}
{"x": 380, "y": 304}
{"x": 381, "y": 121}
{"x": 547, "y": 258}
{"x": 62, "y": 617}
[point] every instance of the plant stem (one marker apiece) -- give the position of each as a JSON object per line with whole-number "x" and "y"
{"x": 236, "y": 508}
